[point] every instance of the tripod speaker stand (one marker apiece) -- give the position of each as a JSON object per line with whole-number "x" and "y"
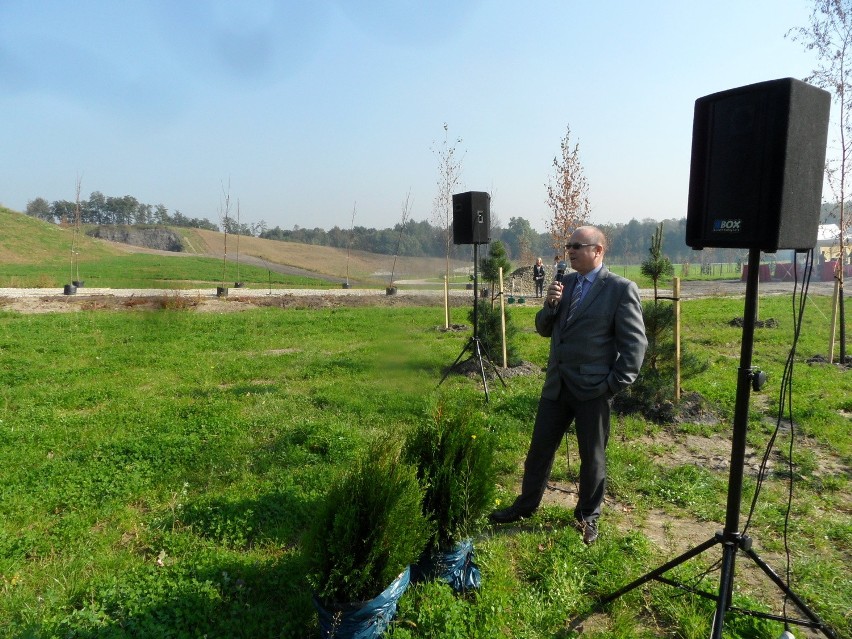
{"x": 731, "y": 539}
{"x": 474, "y": 345}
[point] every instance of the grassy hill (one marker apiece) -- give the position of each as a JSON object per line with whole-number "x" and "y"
{"x": 27, "y": 240}
{"x": 34, "y": 253}
{"x": 324, "y": 260}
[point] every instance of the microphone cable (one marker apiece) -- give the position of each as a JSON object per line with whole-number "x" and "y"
{"x": 785, "y": 402}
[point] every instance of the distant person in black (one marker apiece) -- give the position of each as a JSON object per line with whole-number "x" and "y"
{"x": 538, "y": 277}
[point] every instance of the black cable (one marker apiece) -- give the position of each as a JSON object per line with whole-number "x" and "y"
{"x": 785, "y": 398}
{"x": 786, "y": 401}
{"x": 809, "y": 259}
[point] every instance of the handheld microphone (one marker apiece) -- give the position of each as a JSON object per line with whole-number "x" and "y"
{"x": 560, "y": 271}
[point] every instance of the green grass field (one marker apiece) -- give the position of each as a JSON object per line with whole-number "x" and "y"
{"x": 149, "y": 271}
{"x": 158, "y": 470}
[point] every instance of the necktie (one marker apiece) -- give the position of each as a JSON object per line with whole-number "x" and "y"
{"x": 575, "y": 298}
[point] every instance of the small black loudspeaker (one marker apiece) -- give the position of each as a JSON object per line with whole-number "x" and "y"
{"x": 758, "y": 157}
{"x": 471, "y": 218}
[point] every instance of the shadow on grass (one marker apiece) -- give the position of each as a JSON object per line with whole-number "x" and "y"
{"x": 231, "y": 598}
{"x": 208, "y": 580}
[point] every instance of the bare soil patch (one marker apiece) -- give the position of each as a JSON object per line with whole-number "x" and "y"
{"x": 674, "y": 534}
{"x": 42, "y": 301}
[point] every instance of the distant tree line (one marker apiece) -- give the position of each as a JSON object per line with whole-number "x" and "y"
{"x": 628, "y": 243}
{"x": 417, "y": 238}
{"x": 100, "y": 209}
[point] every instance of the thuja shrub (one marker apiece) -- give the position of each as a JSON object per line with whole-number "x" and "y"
{"x": 454, "y": 456}
{"x": 369, "y": 528}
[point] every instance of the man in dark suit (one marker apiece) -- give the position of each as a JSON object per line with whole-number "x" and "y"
{"x": 597, "y": 343}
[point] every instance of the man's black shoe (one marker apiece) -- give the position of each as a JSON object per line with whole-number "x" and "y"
{"x": 507, "y": 515}
{"x": 590, "y": 532}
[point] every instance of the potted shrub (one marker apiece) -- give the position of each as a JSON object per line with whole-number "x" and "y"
{"x": 454, "y": 456}
{"x": 368, "y": 530}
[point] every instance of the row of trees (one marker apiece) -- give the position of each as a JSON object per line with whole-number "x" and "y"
{"x": 101, "y": 209}
{"x": 416, "y": 239}
{"x": 628, "y": 243}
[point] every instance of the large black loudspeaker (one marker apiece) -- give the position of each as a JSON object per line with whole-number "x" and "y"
{"x": 471, "y": 217}
{"x": 758, "y": 156}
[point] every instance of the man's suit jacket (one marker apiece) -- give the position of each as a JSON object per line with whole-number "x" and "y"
{"x": 600, "y": 350}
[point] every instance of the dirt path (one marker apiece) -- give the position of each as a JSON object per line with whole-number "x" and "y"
{"x": 51, "y": 300}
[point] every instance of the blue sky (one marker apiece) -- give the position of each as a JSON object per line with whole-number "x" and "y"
{"x": 310, "y": 109}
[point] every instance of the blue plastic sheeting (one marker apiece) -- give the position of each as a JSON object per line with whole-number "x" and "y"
{"x": 368, "y": 621}
{"x": 456, "y": 567}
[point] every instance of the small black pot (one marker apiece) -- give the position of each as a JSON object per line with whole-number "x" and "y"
{"x": 221, "y": 291}
{"x": 390, "y": 290}
{"x": 346, "y": 285}
{"x": 78, "y": 283}
{"x": 239, "y": 284}
{"x": 69, "y": 289}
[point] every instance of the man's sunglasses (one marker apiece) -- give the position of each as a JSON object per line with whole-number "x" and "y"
{"x": 577, "y": 245}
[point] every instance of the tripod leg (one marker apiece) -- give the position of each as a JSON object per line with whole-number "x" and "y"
{"x": 654, "y": 574}
{"x": 493, "y": 367}
{"x": 801, "y": 605}
{"x": 458, "y": 359}
{"x": 478, "y": 356}
{"x": 677, "y": 561}
{"x": 726, "y": 582}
